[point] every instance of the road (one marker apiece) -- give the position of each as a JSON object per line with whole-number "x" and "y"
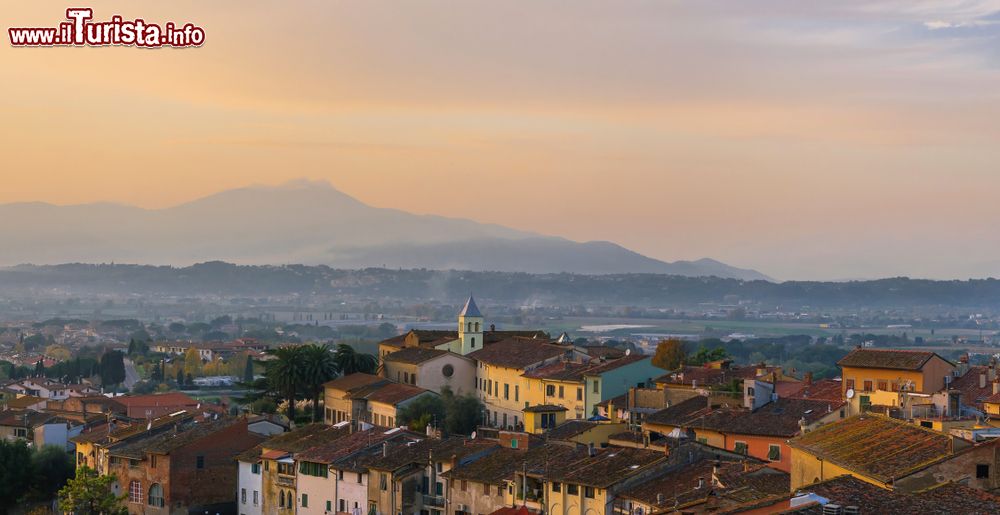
{"x": 131, "y": 374}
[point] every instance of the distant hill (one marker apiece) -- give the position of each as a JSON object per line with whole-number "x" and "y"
{"x": 308, "y": 223}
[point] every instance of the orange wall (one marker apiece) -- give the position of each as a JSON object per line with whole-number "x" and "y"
{"x": 930, "y": 379}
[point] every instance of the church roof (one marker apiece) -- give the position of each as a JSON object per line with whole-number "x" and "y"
{"x": 470, "y": 309}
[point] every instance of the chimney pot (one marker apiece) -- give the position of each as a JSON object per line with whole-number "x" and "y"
{"x": 982, "y": 381}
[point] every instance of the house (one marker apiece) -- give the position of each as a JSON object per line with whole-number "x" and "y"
{"x": 577, "y": 480}
{"x": 157, "y": 405}
{"x": 888, "y": 377}
{"x": 267, "y": 425}
{"x": 328, "y": 479}
{"x": 37, "y": 427}
{"x": 338, "y": 396}
{"x": 706, "y": 485}
{"x": 584, "y": 432}
{"x": 762, "y": 433}
{"x": 278, "y": 466}
{"x": 479, "y": 486}
{"x": 249, "y": 484}
{"x": 93, "y": 443}
{"x": 431, "y": 369}
{"x": 888, "y": 453}
{"x": 182, "y": 471}
{"x": 500, "y": 380}
{"x": 634, "y": 406}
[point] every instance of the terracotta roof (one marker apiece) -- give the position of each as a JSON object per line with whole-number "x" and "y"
{"x": 778, "y": 418}
{"x": 739, "y": 482}
{"x": 708, "y": 376}
{"x": 354, "y": 381}
{"x": 25, "y": 418}
{"x": 305, "y": 437}
{"x": 172, "y": 399}
{"x": 520, "y": 510}
{"x": 824, "y": 389}
{"x": 166, "y": 442}
{"x": 945, "y": 499}
{"x": 23, "y": 402}
{"x": 570, "y": 429}
{"x": 887, "y": 358}
{"x": 415, "y": 355}
{"x": 611, "y": 364}
{"x": 519, "y": 352}
{"x": 607, "y": 467}
{"x": 394, "y": 393}
{"x": 493, "y": 468}
{"x": 876, "y": 446}
{"x": 603, "y": 351}
{"x": 559, "y": 371}
{"x": 425, "y": 337}
{"x": 968, "y": 385}
{"x": 332, "y": 451}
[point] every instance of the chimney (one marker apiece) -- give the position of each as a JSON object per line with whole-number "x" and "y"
{"x": 996, "y": 386}
{"x": 493, "y": 327}
{"x": 701, "y": 483}
{"x": 808, "y": 378}
{"x": 385, "y": 449}
{"x": 982, "y": 381}
{"x": 660, "y": 499}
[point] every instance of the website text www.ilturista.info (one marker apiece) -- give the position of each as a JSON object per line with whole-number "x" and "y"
{"x": 80, "y": 30}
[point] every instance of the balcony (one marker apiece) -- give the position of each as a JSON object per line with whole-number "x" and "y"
{"x": 436, "y": 501}
{"x": 284, "y": 480}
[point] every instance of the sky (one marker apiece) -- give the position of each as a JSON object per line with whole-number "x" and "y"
{"x": 805, "y": 139}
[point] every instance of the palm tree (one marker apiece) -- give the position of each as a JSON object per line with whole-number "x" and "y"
{"x": 319, "y": 367}
{"x": 285, "y": 373}
{"x": 350, "y": 361}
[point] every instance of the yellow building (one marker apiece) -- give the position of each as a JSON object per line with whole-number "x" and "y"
{"x": 879, "y": 376}
{"x": 873, "y": 448}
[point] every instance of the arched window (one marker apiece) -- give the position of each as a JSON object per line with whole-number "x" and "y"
{"x": 477, "y": 327}
{"x": 473, "y": 342}
{"x": 281, "y": 498}
{"x": 135, "y": 492}
{"x": 469, "y": 327}
{"x": 156, "y": 495}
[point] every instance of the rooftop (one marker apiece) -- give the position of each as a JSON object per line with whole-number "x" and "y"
{"x": 887, "y": 358}
{"x": 470, "y": 309}
{"x": 393, "y": 393}
{"x": 415, "y": 355}
{"x": 353, "y": 381}
{"x": 876, "y": 446}
{"x": 948, "y": 498}
{"x": 570, "y": 428}
{"x": 606, "y": 467}
{"x": 519, "y": 352}
{"x": 824, "y": 389}
{"x": 777, "y": 418}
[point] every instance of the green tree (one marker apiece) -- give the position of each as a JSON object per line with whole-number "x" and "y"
{"x": 704, "y": 355}
{"x": 670, "y": 354}
{"x": 112, "y": 368}
{"x": 423, "y": 411}
{"x": 350, "y": 361}
{"x": 318, "y": 367}
{"x": 284, "y": 375}
{"x": 52, "y": 467}
{"x": 248, "y": 371}
{"x": 180, "y": 377}
{"x": 90, "y": 494}
{"x": 15, "y": 473}
{"x": 462, "y": 412}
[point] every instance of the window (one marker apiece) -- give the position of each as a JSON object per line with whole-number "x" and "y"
{"x": 382, "y": 481}
{"x": 506, "y": 391}
{"x": 561, "y": 391}
{"x": 313, "y": 469}
{"x": 774, "y": 452}
{"x": 982, "y": 471}
{"x": 133, "y": 464}
{"x": 473, "y": 342}
{"x": 465, "y": 485}
{"x": 329, "y": 505}
{"x": 256, "y": 497}
{"x": 359, "y": 478}
{"x": 868, "y": 385}
{"x": 152, "y": 461}
{"x": 21, "y": 432}
{"x": 255, "y": 468}
{"x": 556, "y": 486}
{"x": 281, "y": 498}
{"x": 477, "y": 327}
{"x": 200, "y": 462}
{"x": 513, "y": 443}
{"x": 883, "y": 385}
{"x": 447, "y": 370}
{"x": 517, "y": 389}
{"x": 572, "y": 489}
{"x": 287, "y": 469}
{"x": 243, "y": 495}
{"x": 156, "y": 495}
{"x": 849, "y": 384}
{"x": 588, "y": 492}
{"x": 597, "y": 386}
{"x": 550, "y": 390}
{"x": 579, "y": 394}
{"x": 135, "y": 492}
{"x": 343, "y": 505}
{"x": 413, "y": 378}
{"x": 340, "y": 475}
{"x": 406, "y": 377}
{"x": 740, "y": 448}
{"x": 305, "y": 500}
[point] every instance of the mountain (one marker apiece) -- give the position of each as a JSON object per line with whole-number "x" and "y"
{"x": 308, "y": 223}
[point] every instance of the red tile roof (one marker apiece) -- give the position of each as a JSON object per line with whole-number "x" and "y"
{"x": 888, "y": 358}
{"x": 824, "y": 389}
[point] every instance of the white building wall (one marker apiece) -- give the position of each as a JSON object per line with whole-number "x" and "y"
{"x": 251, "y": 483}
{"x": 353, "y": 493}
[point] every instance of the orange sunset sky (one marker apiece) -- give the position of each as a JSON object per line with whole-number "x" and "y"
{"x": 820, "y": 140}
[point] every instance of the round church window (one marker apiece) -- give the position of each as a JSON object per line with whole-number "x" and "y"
{"x": 448, "y": 370}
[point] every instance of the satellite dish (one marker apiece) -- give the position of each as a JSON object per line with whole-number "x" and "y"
{"x": 850, "y": 393}
{"x": 628, "y": 351}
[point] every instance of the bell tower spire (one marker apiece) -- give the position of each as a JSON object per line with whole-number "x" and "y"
{"x": 470, "y": 327}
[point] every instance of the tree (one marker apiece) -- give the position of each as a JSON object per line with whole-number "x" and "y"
{"x": 248, "y": 370}
{"x": 180, "y": 377}
{"x": 704, "y": 355}
{"x": 192, "y": 362}
{"x": 284, "y": 375}
{"x": 424, "y": 411}
{"x": 670, "y": 354}
{"x": 462, "y": 412}
{"x": 350, "y": 361}
{"x": 15, "y": 472}
{"x": 318, "y": 368}
{"x": 52, "y": 467}
{"x": 112, "y": 368}
{"x": 90, "y": 494}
